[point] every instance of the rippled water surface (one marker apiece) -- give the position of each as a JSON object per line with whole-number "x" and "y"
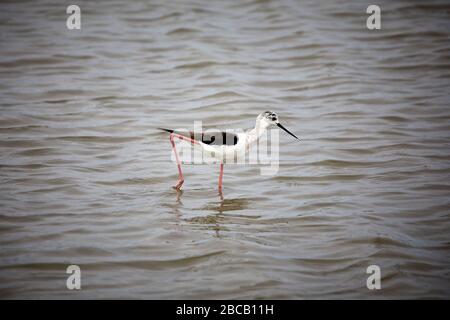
{"x": 86, "y": 177}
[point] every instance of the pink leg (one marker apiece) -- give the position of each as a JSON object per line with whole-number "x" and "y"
{"x": 220, "y": 178}
{"x": 181, "y": 178}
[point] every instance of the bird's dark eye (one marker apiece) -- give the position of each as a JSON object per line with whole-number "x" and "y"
{"x": 274, "y": 118}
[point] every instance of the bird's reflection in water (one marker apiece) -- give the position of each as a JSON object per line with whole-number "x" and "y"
{"x": 225, "y": 205}
{"x": 214, "y": 222}
{"x": 178, "y": 204}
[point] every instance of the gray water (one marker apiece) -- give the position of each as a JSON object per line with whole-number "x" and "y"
{"x": 86, "y": 177}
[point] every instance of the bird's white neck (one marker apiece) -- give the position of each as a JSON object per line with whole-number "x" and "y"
{"x": 258, "y": 131}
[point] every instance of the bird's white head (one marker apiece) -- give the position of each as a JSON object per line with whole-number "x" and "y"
{"x": 269, "y": 118}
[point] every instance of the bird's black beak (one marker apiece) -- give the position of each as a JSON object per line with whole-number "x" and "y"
{"x": 280, "y": 126}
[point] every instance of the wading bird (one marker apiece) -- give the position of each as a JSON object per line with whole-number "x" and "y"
{"x": 222, "y": 144}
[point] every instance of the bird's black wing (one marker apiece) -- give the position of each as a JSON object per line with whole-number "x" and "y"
{"x": 213, "y": 138}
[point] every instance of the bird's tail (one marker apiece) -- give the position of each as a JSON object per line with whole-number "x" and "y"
{"x": 167, "y": 130}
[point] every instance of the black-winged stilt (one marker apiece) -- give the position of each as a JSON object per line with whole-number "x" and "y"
{"x": 221, "y": 143}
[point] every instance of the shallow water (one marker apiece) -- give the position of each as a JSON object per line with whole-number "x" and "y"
{"x": 86, "y": 179}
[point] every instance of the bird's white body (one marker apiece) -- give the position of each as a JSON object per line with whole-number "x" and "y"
{"x": 225, "y": 152}
{"x": 245, "y": 140}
